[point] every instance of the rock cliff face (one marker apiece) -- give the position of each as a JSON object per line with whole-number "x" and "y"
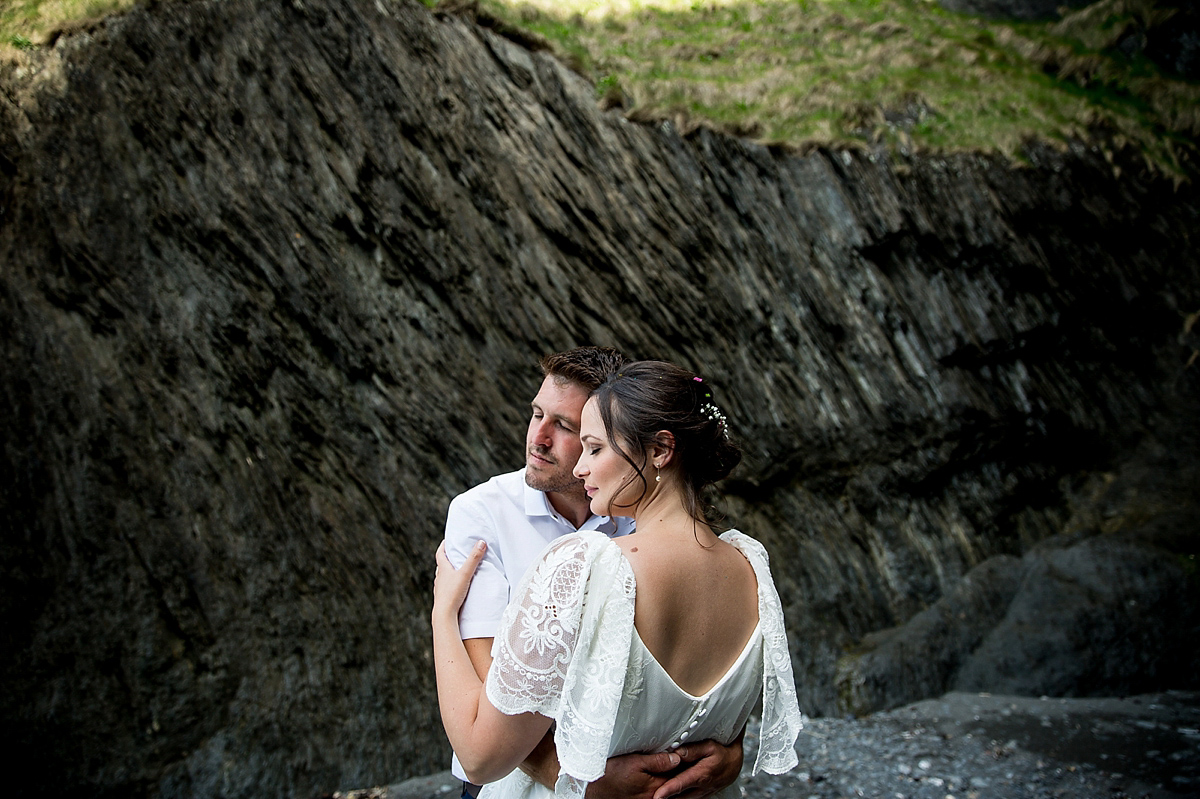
{"x": 275, "y": 277}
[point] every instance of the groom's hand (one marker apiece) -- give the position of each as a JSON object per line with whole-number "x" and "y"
{"x": 690, "y": 772}
{"x": 634, "y": 776}
{"x": 707, "y": 768}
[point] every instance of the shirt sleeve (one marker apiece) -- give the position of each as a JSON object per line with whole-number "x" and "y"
{"x": 563, "y": 650}
{"x": 466, "y": 523}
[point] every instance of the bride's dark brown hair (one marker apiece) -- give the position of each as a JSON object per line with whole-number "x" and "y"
{"x": 645, "y": 397}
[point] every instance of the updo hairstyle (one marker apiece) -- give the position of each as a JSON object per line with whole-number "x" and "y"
{"x": 645, "y": 397}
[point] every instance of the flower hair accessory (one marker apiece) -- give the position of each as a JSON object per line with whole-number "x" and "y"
{"x": 712, "y": 412}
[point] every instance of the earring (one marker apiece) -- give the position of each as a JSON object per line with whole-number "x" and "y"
{"x": 658, "y": 477}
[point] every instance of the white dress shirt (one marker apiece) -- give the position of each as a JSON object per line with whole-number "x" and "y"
{"x": 517, "y": 522}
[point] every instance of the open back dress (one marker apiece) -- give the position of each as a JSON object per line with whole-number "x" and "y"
{"x": 568, "y": 649}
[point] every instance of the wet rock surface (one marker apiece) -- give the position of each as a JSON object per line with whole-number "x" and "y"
{"x": 275, "y": 278}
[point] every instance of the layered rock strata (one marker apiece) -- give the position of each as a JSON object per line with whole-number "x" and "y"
{"x": 275, "y": 277}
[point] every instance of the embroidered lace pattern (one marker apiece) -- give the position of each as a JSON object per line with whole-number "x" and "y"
{"x": 563, "y": 651}
{"x": 781, "y": 719}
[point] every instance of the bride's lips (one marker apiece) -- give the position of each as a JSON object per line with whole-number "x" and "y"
{"x": 590, "y": 490}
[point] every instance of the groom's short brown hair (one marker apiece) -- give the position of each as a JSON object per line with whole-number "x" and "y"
{"x": 587, "y": 366}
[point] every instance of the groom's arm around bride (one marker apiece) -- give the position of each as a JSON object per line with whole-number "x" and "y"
{"x": 517, "y": 515}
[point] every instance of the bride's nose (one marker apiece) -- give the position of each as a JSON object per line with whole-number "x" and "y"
{"x": 580, "y": 470}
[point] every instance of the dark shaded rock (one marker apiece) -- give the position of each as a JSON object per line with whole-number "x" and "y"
{"x": 275, "y": 276}
{"x": 1027, "y": 10}
{"x": 1085, "y": 615}
{"x": 921, "y": 659}
{"x": 1103, "y": 617}
{"x": 1166, "y": 32}
{"x": 1173, "y": 44}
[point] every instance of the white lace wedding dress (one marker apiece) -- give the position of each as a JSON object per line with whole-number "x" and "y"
{"x": 567, "y": 649}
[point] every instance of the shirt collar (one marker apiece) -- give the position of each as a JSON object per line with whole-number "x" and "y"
{"x": 538, "y": 504}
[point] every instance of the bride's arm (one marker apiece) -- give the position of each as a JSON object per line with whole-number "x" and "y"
{"x": 488, "y": 743}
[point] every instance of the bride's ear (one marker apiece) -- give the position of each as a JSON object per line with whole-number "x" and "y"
{"x": 662, "y": 451}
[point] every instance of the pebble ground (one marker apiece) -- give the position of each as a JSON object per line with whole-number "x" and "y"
{"x": 972, "y": 746}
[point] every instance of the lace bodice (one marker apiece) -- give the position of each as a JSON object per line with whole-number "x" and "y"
{"x": 568, "y": 649}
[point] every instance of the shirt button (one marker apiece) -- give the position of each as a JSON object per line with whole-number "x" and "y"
{"x": 692, "y": 726}
{"x": 683, "y": 735}
{"x": 675, "y": 744}
{"x": 703, "y": 710}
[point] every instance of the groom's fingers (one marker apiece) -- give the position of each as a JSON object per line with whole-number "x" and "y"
{"x": 699, "y": 777}
{"x": 693, "y": 753}
{"x": 632, "y": 776}
{"x": 660, "y": 762}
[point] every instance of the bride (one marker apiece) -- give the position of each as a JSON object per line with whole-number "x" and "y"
{"x": 634, "y": 644}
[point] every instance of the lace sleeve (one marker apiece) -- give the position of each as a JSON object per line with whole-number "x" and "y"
{"x": 781, "y": 717}
{"x": 563, "y": 650}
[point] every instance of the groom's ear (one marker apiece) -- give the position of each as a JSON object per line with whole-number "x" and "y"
{"x": 663, "y": 448}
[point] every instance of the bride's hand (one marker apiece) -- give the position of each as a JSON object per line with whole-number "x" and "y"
{"x": 450, "y": 584}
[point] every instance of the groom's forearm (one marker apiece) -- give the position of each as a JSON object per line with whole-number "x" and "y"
{"x": 542, "y": 763}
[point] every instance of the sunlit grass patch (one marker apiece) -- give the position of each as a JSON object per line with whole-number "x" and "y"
{"x": 853, "y": 72}
{"x": 27, "y": 23}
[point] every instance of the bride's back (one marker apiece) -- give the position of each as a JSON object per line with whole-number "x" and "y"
{"x": 697, "y": 606}
{"x": 653, "y": 439}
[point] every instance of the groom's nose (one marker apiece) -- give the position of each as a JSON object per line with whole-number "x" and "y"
{"x": 540, "y": 434}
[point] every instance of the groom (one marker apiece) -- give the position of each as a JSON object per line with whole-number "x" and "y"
{"x": 517, "y": 514}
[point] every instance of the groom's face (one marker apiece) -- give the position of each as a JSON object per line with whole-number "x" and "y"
{"x": 552, "y": 442}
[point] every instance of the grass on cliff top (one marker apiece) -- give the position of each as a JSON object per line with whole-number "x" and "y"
{"x": 801, "y": 73}
{"x": 854, "y": 72}
{"x": 26, "y": 24}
